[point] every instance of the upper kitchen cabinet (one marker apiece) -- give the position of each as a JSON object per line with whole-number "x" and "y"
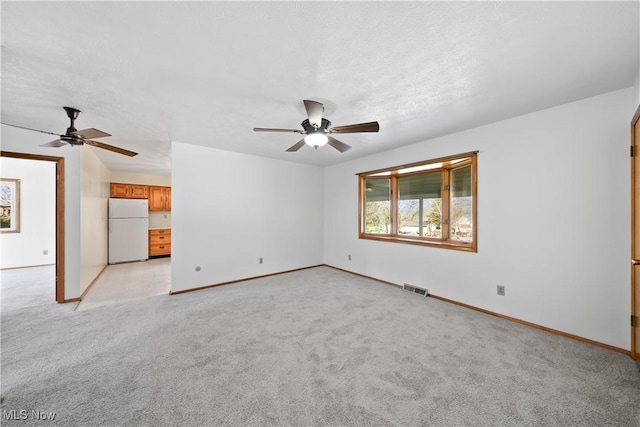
{"x": 159, "y": 198}
{"x": 129, "y": 191}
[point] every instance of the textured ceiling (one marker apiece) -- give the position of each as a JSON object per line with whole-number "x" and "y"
{"x": 206, "y": 73}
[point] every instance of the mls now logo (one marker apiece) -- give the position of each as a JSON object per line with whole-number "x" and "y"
{"x": 23, "y": 414}
{"x": 14, "y": 414}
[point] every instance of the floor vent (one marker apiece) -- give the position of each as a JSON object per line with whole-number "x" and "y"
{"x": 415, "y": 289}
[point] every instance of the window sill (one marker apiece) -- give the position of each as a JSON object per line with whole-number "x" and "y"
{"x": 446, "y": 244}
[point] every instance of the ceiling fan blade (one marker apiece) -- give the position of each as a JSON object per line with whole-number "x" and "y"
{"x": 35, "y": 130}
{"x": 110, "y": 148}
{"x": 296, "y": 146}
{"x": 360, "y": 127}
{"x": 314, "y": 112}
{"x": 91, "y": 133}
{"x": 338, "y": 145}
{"x": 56, "y": 143}
{"x": 276, "y": 130}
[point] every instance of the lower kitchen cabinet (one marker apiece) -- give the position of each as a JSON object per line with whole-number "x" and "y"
{"x": 160, "y": 242}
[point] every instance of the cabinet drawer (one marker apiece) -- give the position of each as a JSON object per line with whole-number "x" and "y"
{"x": 160, "y": 249}
{"x": 162, "y": 231}
{"x": 159, "y": 239}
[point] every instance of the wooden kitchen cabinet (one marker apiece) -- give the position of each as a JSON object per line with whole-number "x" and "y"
{"x": 159, "y": 198}
{"x": 160, "y": 242}
{"x": 129, "y": 191}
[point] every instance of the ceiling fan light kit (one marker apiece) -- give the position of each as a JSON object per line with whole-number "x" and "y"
{"x": 316, "y": 139}
{"x": 75, "y": 137}
{"x": 318, "y": 129}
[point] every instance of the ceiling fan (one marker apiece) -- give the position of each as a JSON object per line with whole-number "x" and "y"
{"x": 78, "y": 137}
{"x": 318, "y": 129}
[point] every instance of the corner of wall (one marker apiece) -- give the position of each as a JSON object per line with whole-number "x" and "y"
{"x": 567, "y": 272}
{"x": 94, "y": 195}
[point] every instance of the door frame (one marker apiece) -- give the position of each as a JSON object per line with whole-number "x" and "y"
{"x": 60, "y": 253}
{"x": 635, "y": 346}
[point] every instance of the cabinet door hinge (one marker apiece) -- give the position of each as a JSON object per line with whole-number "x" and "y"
{"x": 632, "y": 150}
{"x": 634, "y": 321}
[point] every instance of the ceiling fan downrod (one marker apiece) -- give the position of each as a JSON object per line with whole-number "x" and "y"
{"x": 72, "y": 113}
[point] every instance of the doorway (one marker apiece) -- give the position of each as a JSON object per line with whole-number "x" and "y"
{"x": 59, "y": 213}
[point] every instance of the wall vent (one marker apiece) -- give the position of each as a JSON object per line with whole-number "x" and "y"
{"x": 415, "y": 289}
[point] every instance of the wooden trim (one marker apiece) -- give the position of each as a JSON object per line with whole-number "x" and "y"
{"x": 361, "y": 203}
{"x": 60, "y": 212}
{"x": 445, "y": 242}
{"x": 445, "y": 196}
{"x": 633, "y": 353}
{"x": 60, "y": 233}
{"x": 28, "y": 156}
{"x": 364, "y": 276}
{"x": 361, "y": 223}
{"x": 636, "y": 117}
{"x": 26, "y": 266}
{"x": 394, "y": 193}
{"x": 534, "y": 325}
{"x": 16, "y": 212}
{"x": 424, "y": 162}
{"x": 182, "y": 291}
{"x": 635, "y": 311}
{"x": 95, "y": 279}
{"x": 502, "y": 316}
{"x": 442, "y": 244}
{"x": 71, "y": 300}
{"x": 474, "y": 202}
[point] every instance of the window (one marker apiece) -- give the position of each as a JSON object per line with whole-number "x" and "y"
{"x": 430, "y": 203}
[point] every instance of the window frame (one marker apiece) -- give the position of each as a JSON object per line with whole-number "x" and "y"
{"x": 448, "y": 164}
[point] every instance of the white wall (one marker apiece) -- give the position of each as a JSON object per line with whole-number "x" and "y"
{"x": 637, "y": 87}
{"x": 231, "y": 209}
{"x": 140, "y": 178}
{"x": 37, "y": 214}
{"x": 553, "y": 220}
{"x": 23, "y": 141}
{"x": 94, "y": 196}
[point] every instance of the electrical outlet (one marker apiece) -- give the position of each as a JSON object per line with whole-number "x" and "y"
{"x": 45, "y": 252}
{"x": 500, "y": 290}
{"x": 349, "y": 257}
{"x": 260, "y": 261}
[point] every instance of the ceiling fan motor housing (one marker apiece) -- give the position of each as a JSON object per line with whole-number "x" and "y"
{"x": 72, "y": 139}
{"x": 317, "y": 129}
{"x": 309, "y": 129}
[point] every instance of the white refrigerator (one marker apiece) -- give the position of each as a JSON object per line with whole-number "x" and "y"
{"x": 128, "y": 230}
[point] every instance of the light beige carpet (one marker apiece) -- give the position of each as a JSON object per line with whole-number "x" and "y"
{"x": 313, "y": 347}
